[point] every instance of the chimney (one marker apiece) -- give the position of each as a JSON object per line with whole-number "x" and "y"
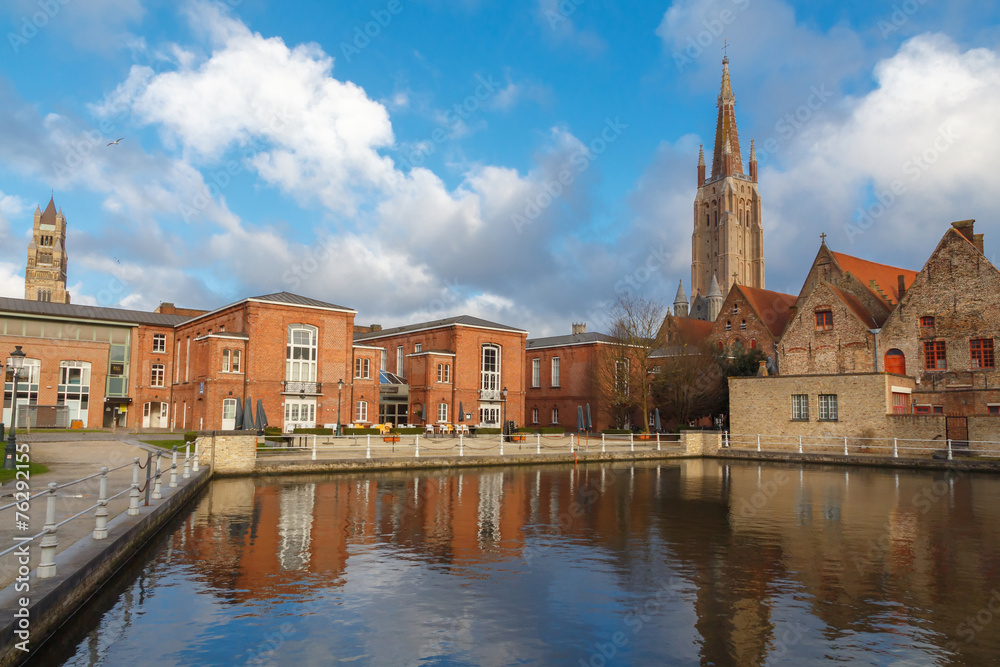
{"x": 762, "y": 370}
{"x": 579, "y": 328}
{"x": 979, "y": 243}
{"x": 375, "y": 327}
{"x": 902, "y": 286}
{"x": 966, "y": 229}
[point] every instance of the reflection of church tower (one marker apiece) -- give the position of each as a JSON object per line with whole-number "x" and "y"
{"x": 45, "y": 272}
{"x": 728, "y": 240}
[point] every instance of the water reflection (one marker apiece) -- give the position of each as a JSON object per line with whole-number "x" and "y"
{"x": 696, "y": 562}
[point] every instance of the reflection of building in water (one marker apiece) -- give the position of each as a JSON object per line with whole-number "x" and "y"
{"x": 295, "y": 525}
{"x": 490, "y": 499}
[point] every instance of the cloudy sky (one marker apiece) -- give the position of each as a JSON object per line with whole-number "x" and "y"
{"x": 519, "y": 160}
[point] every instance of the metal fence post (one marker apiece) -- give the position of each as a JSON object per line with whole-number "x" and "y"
{"x": 725, "y": 439}
{"x": 657, "y": 441}
{"x": 758, "y": 442}
{"x": 368, "y": 447}
{"x": 501, "y": 442}
{"x": 895, "y": 449}
{"x": 949, "y": 449}
{"x": 416, "y": 450}
{"x": 194, "y": 467}
{"x": 845, "y": 445}
{"x": 631, "y": 443}
{"x": 187, "y": 461}
{"x": 101, "y": 527}
{"x": 314, "y": 448}
{"x": 157, "y": 485}
{"x": 173, "y": 470}
{"x": 461, "y": 446}
{"x": 133, "y": 496}
{"x": 800, "y": 444}
{"x": 538, "y": 443}
{"x": 47, "y": 559}
{"x": 571, "y": 449}
{"x": 602, "y": 442}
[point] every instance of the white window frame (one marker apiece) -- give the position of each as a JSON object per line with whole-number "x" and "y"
{"x": 362, "y": 368}
{"x": 399, "y": 360}
{"x": 800, "y": 412}
{"x": 534, "y": 415}
{"x": 361, "y": 411}
{"x": 300, "y": 357}
{"x": 159, "y": 342}
{"x": 490, "y": 372}
{"x": 536, "y": 372}
{"x": 157, "y": 373}
{"x": 384, "y": 360}
{"x": 556, "y": 371}
{"x": 442, "y": 413}
{"x": 237, "y": 365}
{"x": 555, "y": 415}
{"x": 828, "y": 408}
{"x": 418, "y": 347}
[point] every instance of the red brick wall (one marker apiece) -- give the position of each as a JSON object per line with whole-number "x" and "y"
{"x": 756, "y": 334}
{"x": 576, "y": 388}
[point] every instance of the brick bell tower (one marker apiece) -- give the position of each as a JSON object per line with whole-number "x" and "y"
{"x": 45, "y": 272}
{"x": 728, "y": 239}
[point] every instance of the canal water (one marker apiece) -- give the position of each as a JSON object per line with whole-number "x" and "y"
{"x": 693, "y": 562}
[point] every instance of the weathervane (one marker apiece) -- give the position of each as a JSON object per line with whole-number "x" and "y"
{"x": 725, "y": 46}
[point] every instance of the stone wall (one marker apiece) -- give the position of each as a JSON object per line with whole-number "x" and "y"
{"x": 228, "y": 452}
{"x": 702, "y": 443}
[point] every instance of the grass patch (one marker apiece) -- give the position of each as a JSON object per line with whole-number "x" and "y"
{"x": 33, "y": 469}
{"x": 168, "y": 444}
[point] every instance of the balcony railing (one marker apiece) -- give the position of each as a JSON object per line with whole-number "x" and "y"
{"x": 490, "y": 395}
{"x": 299, "y": 388}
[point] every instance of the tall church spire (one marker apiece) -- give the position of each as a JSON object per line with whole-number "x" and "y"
{"x": 727, "y": 137}
{"x": 45, "y": 271}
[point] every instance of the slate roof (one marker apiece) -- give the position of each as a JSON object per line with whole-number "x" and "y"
{"x": 466, "y": 320}
{"x": 571, "y": 339}
{"x": 297, "y": 300}
{"x": 73, "y": 311}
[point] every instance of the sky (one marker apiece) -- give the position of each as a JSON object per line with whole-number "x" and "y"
{"x": 524, "y": 161}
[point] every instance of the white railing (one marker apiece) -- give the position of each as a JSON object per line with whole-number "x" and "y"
{"x": 330, "y": 447}
{"x": 858, "y": 446}
{"x": 48, "y": 537}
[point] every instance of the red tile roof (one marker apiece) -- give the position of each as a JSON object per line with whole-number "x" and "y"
{"x": 773, "y": 308}
{"x": 855, "y": 305}
{"x": 886, "y": 277}
{"x": 692, "y": 330}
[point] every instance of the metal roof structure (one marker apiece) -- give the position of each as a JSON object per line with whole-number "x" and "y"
{"x": 297, "y": 300}
{"x": 28, "y": 308}
{"x": 569, "y": 339}
{"x": 464, "y": 320}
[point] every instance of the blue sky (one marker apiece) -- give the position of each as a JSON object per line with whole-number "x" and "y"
{"x": 404, "y": 157}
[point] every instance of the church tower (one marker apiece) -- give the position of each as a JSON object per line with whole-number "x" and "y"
{"x": 45, "y": 273}
{"x": 728, "y": 240}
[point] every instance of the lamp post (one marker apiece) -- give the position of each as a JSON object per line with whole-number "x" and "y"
{"x": 340, "y": 388}
{"x": 10, "y": 451}
{"x": 503, "y": 426}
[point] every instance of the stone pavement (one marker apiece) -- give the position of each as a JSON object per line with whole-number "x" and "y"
{"x": 68, "y": 460}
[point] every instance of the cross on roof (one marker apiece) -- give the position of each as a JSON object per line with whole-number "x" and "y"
{"x": 823, "y": 238}
{"x": 725, "y": 46}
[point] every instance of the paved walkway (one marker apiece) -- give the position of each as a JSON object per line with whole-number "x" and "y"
{"x": 68, "y": 461}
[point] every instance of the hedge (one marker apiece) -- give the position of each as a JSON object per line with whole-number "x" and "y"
{"x": 190, "y": 436}
{"x": 409, "y": 430}
{"x": 314, "y": 431}
{"x": 362, "y": 431}
{"x": 550, "y": 430}
{"x": 487, "y": 431}
{"x": 272, "y": 430}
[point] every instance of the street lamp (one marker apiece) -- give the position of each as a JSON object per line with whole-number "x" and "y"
{"x": 16, "y": 362}
{"x": 503, "y": 427}
{"x": 340, "y": 388}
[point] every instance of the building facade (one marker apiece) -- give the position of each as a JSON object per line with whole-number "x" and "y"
{"x": 45, "y": 270}
{"x": 727, "y": 244}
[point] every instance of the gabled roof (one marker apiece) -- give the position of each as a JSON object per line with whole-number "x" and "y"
{"x": 693, "y": 330}
{"x": 462, "y": 320}
{"x": 570, "y": 339}
{"x": 49, "y": 215}
{"x": 28, "y": 308}
{"x": 297, "y": 300}
{"x": 765, "y": 301}
{"x": 855, "y": 305}
{"x": 886, "y": 277}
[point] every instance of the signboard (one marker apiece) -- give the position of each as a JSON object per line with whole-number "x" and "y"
{"x": 117, "y": 368}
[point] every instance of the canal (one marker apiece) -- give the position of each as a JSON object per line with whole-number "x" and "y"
{"x": 692, "y": 562}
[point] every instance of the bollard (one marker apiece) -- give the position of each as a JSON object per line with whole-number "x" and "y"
{"x": 895, "y": 450}
{"x": 631, "y": 443}
{"x": 157, "y": 484}
{"x": 368, "y": 448}
{"x": 725, "y": 439}
{"x": 949, "y": 449}
{"x": 538, "y": 443}
{"x": 133, "y": 496}
{"x": 149, "y": 476}
{"x": 416, "y": 449}
{"x": 758, "y": 442}
{"x": 658, "y": 447}
{"x": 800, "y": 444}
{"x": 314, "y": 448}
{"x": 173, "y": 471}
{"x": 571, "y": 443}
{"x": 187, "y": 461}
{"x": 47, "y": 559}
{"x": 461, "y": 450}
{"x": 195, "y": 467}
{"x": 602, "y": 442}
{"x": 101, "y": 529}
{"x": 501, "y": 442}
{"x": 845, "y": 445}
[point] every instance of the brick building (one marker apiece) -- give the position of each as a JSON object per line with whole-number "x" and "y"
{"x": 559, "y": 376}
{"x": 458, "y": 362}
{"x": 752, "y": 318}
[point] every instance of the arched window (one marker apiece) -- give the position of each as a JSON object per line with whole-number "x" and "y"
{"x": 300, "y": 354}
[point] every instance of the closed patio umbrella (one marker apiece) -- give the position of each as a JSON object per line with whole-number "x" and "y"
{"x": 579, "y": 418}
{"x": 590, "y": 423}
{"x": 239, "y": 416}
{"x": 656, "y": 419}
{"x": 461, "y": 412}
{"x": 248, "y": 415}
{"x": 261, "y": 415}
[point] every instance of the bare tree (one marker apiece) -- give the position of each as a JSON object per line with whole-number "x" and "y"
{"x": 690, "y": 383}
{"x": 624, "y": 368}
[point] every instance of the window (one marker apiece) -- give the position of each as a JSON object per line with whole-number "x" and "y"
{"x": 824, "y": 320}
{"x": 900, "y": 403}
{"x": 939, "y": 409}
{"x": 444, "y": 372}
{"x": 490, "y": 375}
{"x": 156, "y": 376}
{"x": 981, "y": 350}
{"x": 536, "y": 372}
{"x": 231, "y": 361}
{"x": 621, "y": 377}
{"x": 362, "y": 368}
{"x": 442, "y": 412}
{"x": 74, "y": 388}
{"x": 934, "y": 355}
{"x": 384, "y": 360}
{"x": 361, "y": 411}
{"x": 300, "y": 413}
{"x": 399, "y": 360}
{"x": 927, "y": 321}
{"x": 300, "y": 354}
{"x": 418, "y": 347}
{"x": 743, "y": 325}
{"x": 828, "y": 407}
{"x": 729, "y": 325}
{"x": 159, "y": 342}
{"x": 534, "y": 415}
{"x": 555, "y": 371}
{"x": 993, "y": 409}
{"x": 753, "y": 343}
{"x": 922, "y": 409}
{"x": 236, "y": 360}
{"x": 225, "y": 360}
{"x": 800, "y": 407}
{"x": 555, "y": 415}
{"x": 736, "y": 310}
